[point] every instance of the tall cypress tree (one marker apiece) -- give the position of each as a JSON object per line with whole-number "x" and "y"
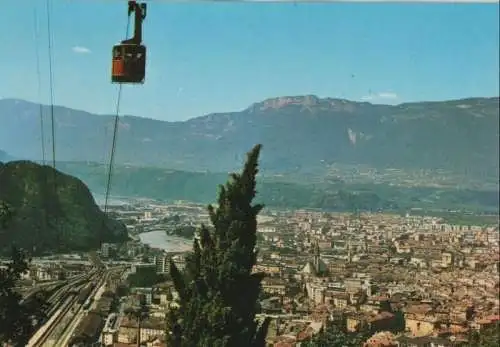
{"x": 218, "y": 293}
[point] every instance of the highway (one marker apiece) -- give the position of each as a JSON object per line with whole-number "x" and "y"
{"x": 65, "y": 303}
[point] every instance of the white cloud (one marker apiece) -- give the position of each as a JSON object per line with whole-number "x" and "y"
{"x": 81, "y": 50}
{"x": 379, "y": 97}
{"x": 388, "y": 95}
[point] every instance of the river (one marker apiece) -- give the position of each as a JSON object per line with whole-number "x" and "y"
{"x": 114, "y": 201}
{"x": 159, "y": 239}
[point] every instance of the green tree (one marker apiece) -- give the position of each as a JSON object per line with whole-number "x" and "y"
{"x": 487, "y": 337}
{"x": 17, "y": 317}
{"x": 6, "y": 214}
{"x": 218, "y": 293}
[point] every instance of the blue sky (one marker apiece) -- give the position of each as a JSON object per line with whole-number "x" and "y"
{"x": 219, "y": 57}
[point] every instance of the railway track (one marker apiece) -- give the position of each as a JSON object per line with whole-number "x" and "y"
{"x": 33, "y": 292}
{"x": 57, "y": 285}
{"x": 69, "y": 331}
{"x": 45, "y": 339}
{"x": 63, "y": 291}
{"x": 61, "y": 302}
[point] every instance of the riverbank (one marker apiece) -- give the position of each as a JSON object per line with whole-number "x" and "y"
{"x": 169, "y": 243}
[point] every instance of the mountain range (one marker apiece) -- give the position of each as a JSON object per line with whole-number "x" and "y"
{"x": 201, "y": 187}
{"x": 305, "y": 134}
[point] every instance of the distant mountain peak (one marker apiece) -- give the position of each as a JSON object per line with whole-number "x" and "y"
{"x": 305, "y": 101}
{"x": 282, "y": 101}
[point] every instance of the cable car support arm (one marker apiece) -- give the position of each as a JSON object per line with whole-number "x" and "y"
{"x": 140, "y": 13}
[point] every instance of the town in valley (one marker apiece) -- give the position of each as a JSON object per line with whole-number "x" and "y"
{"x": 407, "y": 280}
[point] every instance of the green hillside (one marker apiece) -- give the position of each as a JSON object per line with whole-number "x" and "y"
{"x": 52, "y": 217}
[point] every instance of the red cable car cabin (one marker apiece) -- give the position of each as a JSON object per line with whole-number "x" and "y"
{"x": 129, "y": 63}
{"x": 129, "y": 56}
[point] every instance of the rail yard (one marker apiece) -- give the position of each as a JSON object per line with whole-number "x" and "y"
{"x": 65, "y": 304}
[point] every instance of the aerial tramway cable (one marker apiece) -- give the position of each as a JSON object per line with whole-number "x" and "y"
{"x": 52, "y": 202}
{"x": 115, "y": 133}
{"x": 128, "y": 66}
{"x": 43, "y": 225}
{"x": 39, "y": 81}
{"x": 51, "y": 84}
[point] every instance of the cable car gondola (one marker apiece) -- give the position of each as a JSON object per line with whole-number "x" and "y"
{"x": 129, "y": 56}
